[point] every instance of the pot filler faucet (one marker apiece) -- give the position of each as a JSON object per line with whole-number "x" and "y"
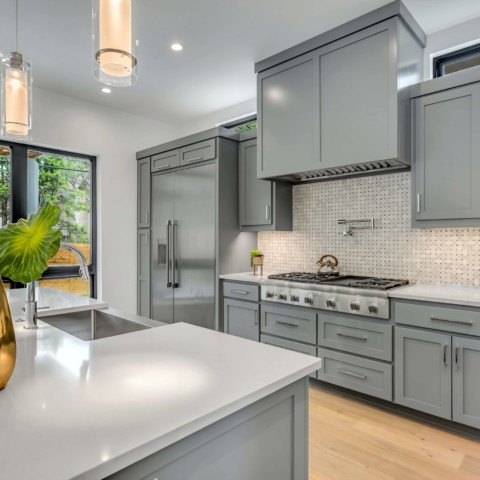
{"x": 30, "y": 308}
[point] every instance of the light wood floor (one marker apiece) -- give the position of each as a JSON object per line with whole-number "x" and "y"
{"x": 350, "y": 440}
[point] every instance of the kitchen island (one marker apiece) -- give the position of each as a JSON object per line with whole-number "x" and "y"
{"x": 172, "y": 402}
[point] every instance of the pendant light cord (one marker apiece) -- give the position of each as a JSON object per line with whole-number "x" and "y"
{"x": 16, "y": 26}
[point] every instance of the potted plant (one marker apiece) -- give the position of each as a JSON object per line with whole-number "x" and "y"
{"x": 256, "y": 260}
{"x": 25, "y": 248}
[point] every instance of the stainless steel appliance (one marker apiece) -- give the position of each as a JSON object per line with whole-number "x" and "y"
{"x": 367, "y": 296}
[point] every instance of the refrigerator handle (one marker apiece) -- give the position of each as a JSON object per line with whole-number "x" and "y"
{"x": 169, "y": 283}
{"x": 174, "y": 257}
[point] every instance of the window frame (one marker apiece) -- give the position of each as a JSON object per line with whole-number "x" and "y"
{"x": 19, "y": 206}
{"x": 439, "y": 61}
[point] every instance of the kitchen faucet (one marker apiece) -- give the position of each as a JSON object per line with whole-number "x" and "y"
{"x": 30, "y": 308}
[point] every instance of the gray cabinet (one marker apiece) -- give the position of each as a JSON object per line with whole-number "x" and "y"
{"x": 447, "y": 158}
{"x": 264, "y": 205}
{"x": 143, "y": 274}
{"x": 241, "y": 319}
{"x": 198, "y": 152}
{"x": 466, "y": 385}
{"x": 423, "y": 375}
{"x": 165, "y": 160}
{"x": 143, "y": 189}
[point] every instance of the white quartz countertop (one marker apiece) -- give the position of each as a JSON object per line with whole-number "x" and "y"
{"x": 84, "y": 410}
{"x": 454, "y": 294}
{"x": 247, "y": 277}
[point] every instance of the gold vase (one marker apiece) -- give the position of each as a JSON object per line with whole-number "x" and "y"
{"x": 8, "y": 346}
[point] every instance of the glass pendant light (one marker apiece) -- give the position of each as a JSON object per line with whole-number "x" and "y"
{"x": 16, "y": 93}
{"x": 114, "y": 42}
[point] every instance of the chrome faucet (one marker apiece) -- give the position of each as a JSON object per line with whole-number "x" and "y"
{"x": 30, "y": 308}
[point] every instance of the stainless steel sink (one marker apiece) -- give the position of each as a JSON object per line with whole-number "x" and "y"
{"x": 93, "y": 324}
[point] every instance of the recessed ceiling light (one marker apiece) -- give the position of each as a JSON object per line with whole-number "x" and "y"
{"x": 176, "y": 47}
{"x": 106, "y": 90}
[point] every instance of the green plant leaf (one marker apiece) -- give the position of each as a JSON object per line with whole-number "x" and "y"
{"x": 26, "y": 246}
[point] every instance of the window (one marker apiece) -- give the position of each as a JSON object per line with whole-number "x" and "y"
{"x": 457, "y": 60}
{"x": 34, "y": 177}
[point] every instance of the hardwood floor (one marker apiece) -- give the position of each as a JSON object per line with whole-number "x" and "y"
{"x": 350, "y": 440}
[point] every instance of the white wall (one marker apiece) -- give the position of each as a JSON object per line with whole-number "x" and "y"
{"x": 72, "y": 124}
{"x": 448, "y": 39}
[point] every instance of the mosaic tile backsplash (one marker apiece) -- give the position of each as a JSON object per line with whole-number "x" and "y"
{"x": 393, "y": 249}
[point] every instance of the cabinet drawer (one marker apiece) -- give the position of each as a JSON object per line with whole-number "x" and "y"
{"x": 198, "y": 152}
{"x": 355, "y": 336}
{"x": 365, "y": 376}
{"x": 166, "y": 160}
{"x": 449, "y": 318}
{"x": 289, "y": 345}
{"x": 289, "y": 323}
{"x": 245, "y": 291}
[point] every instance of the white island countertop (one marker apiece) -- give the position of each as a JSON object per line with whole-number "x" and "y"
{"x": 84, "y": 410}
{"x": 466, "y": 295}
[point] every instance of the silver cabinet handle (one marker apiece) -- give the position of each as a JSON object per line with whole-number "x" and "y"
{"x": 445, "y": 350}
{"x": 195, "y": 159}
{"x": 352, "y": 374}
{"x": 457, "y": 348}
{"x": 169, "y": 283}
{"x": 419, "y": 203}
{"x": 346, "y": 335}
{"x": 146, "y": 218}
{"x": 174, "y": 254}
{"x": 161, "y": 167}
{"x": 241, "y": 292}
{"x": 256, "y": 318}
{"x": 267, "y": 212}
{"x": 462, "y": 322}
{"x": 287, "y": 323}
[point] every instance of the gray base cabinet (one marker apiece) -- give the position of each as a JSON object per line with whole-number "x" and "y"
{"x": 143, "y": 274}
{"x": 241, "y": 319}
{"x": 264, "y": 205}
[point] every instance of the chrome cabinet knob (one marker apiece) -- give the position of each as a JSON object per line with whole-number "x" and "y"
{"x": 269, "y": 294}
{"x": 373, "y": 308}
{"x": 308, "y": 300}
{"x": 331, "y": 303}
{"x": 354, "y": 306}
{"x": 282, "y": 296}
{"x": 294, "y": 297}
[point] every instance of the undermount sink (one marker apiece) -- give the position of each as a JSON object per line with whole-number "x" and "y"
{"x": 93, "y": 324}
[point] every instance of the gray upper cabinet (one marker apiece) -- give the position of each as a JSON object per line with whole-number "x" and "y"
{"x": 447, "y": 158}
{"x": 264, "y": 205}
{"x": 423, "y": 375}
{"x": 198, "y": 152}
{"x": 143, "y": 189}
{"x": 165, "y": 160}
{"x": 288, "y": 118}
{"x": 466, "y": 386}
{"x": 143, "y": 274}
{"x": 342, "y": 108}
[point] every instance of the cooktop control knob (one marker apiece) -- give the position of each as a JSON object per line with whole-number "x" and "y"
{"x": 308, "y": 300}
{"x": 331, "y": 303}
{"x": 282, "y": 296}
{"x": 373, "y": 308}
{"x": 294, "y": 297}
{"x": 269, "y": 294}
{"x": 355, "y": 306}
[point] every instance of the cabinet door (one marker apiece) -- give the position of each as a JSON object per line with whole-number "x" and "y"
{"x": 143, "y": 279}
{"x": 255, "y": 194}
{"x": 288, "y": 115}
{"x": 447, "y": 154}
{"x": 358, "y": 98}
{"x": 241, "y": 319}
{"x": 143, "y": 188}
{"x": 423, "y": 378}
{"x": 466, "y": 385}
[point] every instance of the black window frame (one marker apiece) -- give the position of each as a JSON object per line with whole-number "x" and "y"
{"x": 461, "y": 54}
{"x": 19, "y": 206}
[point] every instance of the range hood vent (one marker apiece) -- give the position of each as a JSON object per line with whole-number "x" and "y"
{"x": 369, "y": 168}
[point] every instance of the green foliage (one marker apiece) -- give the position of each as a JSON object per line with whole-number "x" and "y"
{"x": 246, "y": 127}
{"x": 4, "y": 189}
{"x": 26, "y": 246}
{"x": 256, "y": 253}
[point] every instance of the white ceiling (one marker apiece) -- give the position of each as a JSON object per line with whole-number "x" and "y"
{"x": 222, "y": 39}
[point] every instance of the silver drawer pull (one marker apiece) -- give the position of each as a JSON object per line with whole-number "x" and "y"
{"x": 352, "y": 374}
{"x": 241, "y": 292}
{"x": 162, "y": 167}
{"x": 463, "y": 322}
{"x": 346, "y": 335}
{"x": 196, "y": 159}
{"x": 287, "y": 323}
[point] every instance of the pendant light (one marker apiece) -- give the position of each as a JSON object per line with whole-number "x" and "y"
{"x": 114, "y": 42}
{"x": 16, "y": 93}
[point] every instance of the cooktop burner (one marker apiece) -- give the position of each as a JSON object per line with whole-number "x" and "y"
{"x": 353, "y": 281}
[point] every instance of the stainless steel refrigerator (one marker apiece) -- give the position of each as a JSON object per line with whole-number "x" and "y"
{"x": 195, "y": 237}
